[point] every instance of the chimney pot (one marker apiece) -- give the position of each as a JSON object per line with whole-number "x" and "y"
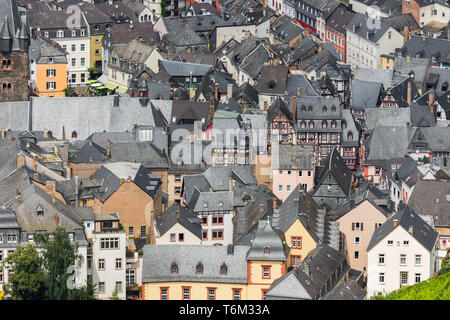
{"x": 261, "y": 208}
{"x": 108, "y": 148}
{"x": 395, "y": 222}
{"x": 56, "y": 219}
{"x": 3, "y": 132}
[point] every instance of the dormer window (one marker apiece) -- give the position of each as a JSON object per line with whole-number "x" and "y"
{"x": 303, "y": 124}
{"x": 82, "y": 32}
{"x": 50, "y": 59}
{"x": 324, "y": 124}
{"x": 223, "y": 270}
{"x": 350, "y": 136}
{"x": 39, "y": 211}
{"x": 199, "y": 269}
{"x": 310, "y": 109}
{"x": 333, "y": 124}
{"x": 311, "y": 124}
{"x": 344, "y": 124}
{"x": 60, "y": 34}
{"x": 324, "y": 109}
{"x": 74, "y": 33}
{"x": 266, "y": 250}
{"x": 303, "y": 108}
{"x": 333, "y": 109}
{"x": 174, "y": 269}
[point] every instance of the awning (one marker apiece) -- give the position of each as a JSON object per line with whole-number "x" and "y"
{"x": 122, "y": 89}
{"x": 103, "y": 79}
{"x": 111, "y": 86}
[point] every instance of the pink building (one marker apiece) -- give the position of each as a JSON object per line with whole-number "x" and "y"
{"x": 358, "y": 220}
{"x": 292, "y": 165}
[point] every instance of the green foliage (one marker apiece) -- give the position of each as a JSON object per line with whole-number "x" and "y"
{"x": 114, "y": 295}
{"x": 58, "y": 255}
{"x": 163, "y": 8}
{"x": 27, "y": 281}
{"x": 436, "y": 288}
{"x": 67, "y": 92}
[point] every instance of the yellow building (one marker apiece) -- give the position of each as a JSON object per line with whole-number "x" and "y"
{"x": 49, "y": 62}
{"x": 204, "y": 272}
{"x": 96, "y": 50}
{"x": 387, "y": 61}
{"x": 293, "y": 224}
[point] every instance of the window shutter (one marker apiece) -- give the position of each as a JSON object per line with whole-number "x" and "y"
{"x": 54, "y": 72}
{"x": 376, "y": 225}
{"x": 353, "y": 226}
{"x": 362, "y": 226}
{"x": 47, "y": 73}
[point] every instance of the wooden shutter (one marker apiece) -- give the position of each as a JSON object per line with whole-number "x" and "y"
{"x": 362, "y": 226}
{"x": 353, "y": 226}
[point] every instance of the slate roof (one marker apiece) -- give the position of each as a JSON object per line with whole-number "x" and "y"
{"x": 389, "y": 142}
{"x": 299, "y": 80}
{"x": 383, "y": 76}
{"x": 190, "y": 110}
{"x": 158, "y": 260}
{"x": 421, "y": 115}
{"x": 110, "y": 177}
{"x": 304, "y": 46}
{"x": 399, "y": 22}
{"x": 272, "y": 80}
{"x": 90, "y": 152}
{"x": 423, "y": 200}
{"x": 387, "y": 117}
{"x": 298, "y": 205}
{"x": 254, "y": 62}
{"x": 41, "y": 49}
{"x": 8, "y": 219}
{"x": 339, "y": 19}
{"x": 93, "y": 114}
{"x": 347, "y": 290}
{"x": 143, "y": 152}
{"x": 365, "y": 94}
{"x": 431, "y": 47}
{"x": 407, "y": 218}
{"x": 309, "y": 280}
{"x": 184, "y": 69}
{"x": 121, "y": 33}
{"x": 294, "y": 157}
{"x": 335, "y": 165}
{"x": 166, "y": 220}
{"x": 285, "y": 30}
{"x": 266, "y": 236}
{"x": 362, "y": 27}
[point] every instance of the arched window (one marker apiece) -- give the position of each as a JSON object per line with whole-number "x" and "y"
{"x": 303, "y": 108}
{"x": 324, "y": 109}
{"x": 74, "y": 134}
{"x": 344, "y": 124}
{"x": 349, "y": 135}
{"x": 311, "y": 124}
{"x": 333, "y": 109}
{"x": 333, "y": 124}
{"x": 310, "y": 108}
{"x": 199, "y": 269}
{"x": 10, "y": 88}
{"x": 174, "y": 268}
{"x": 223, "y": 270}
{"x": 266, "y": 250}
{"x": 303, "y": 124}
{"x": 324, "y": 124}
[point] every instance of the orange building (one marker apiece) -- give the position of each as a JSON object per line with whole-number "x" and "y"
{"x": 48, "y": 67}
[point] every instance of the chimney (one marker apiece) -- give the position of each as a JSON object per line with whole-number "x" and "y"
{"x": 178, "y": 217}
{"x": 299, "y": 91}
{"x": 76, "y": 191}
{"x": 56, "y": 220}
{"x": 216, "y": 92}
{"x": 45, "y": 133}
{"x": 306, "y": 267}
{"x": 431, "y": 99}
{"x": 191, "y": 93}
{"x": 261, "y": 207}
{"x": 409, "y": 93}
{"x": 108, "y": 148}
{"x": 294, "y": 108}
{"x": 64, "y": 134}
{"x": 53, "y": 43}
{"x": 3, "y": 132}
{"x": 408, "y": 58}
{"x": 274, "y": 204}
{"x": 230, "y": 185}
{"x": 265, "y": 106}
{"x": 18, "y": 196}
{"x": 354, "y": 28}
{"x": 50, "y": 187}
{"x": 410, "y": 229}
{"x": 395, "y": 222}
{"x": 424, "y": 38}
{"x": 20, "y": 161}
{"x": 34, "y": 163}
{"x": 229, "y": 91}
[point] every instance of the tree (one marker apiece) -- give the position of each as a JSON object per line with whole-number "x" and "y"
{"x": 59, "y": 256}
{"x": 27, "y": 281}
{"x": 114, "y": 295}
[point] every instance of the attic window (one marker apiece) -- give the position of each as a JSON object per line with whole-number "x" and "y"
{"x": 39, "y": 211}
{"x": 174, "y": 269}
{"x": 74, "y": 134}
{"x": 310, "y": 109}
{"x": 266, "y": 250}
{"x": 324, "y": 109}
{"x": 303, "y": 108}
{"x": 311, "y": 124}
{"x": 333, "y": 109}
{"x": 350, "y": 136}
{"x": 199, "y": 269}
{"x": 344, "y": 124}
{"x": 223, "y": 270}
{"x": 272, "y": 84}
